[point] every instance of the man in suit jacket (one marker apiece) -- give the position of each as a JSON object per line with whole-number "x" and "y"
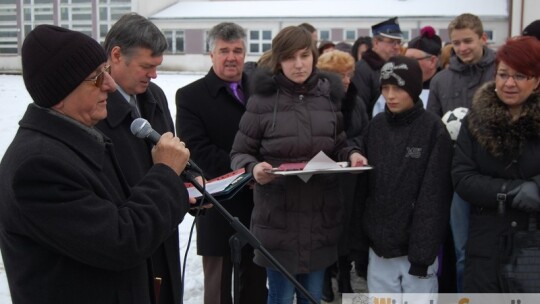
{"x": 208, "y": 113}
{"x": 134, "y": 59}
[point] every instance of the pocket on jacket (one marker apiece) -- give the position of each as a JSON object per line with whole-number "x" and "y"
{"x": 483, "y": 239}
{"x": 270, "y": 205}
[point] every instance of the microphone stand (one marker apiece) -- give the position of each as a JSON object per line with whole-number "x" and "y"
{"x": 244, "y": 234}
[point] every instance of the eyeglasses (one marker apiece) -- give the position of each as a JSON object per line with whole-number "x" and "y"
{"x": 517, "y": 77}
{"x": 98, "y": 80}
{"x": 422, "y": 58}
{"x": 392, "y": 42}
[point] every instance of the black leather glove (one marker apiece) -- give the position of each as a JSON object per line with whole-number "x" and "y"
{"x": 525, "y": 197}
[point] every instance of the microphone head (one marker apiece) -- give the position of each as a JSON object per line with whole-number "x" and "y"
{"x": 141, "y": 128}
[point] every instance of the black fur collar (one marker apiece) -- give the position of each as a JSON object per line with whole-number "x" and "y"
{"x": 491, "y": 124}
{"x": 373, "y": 60}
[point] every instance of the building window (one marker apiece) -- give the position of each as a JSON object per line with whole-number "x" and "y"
{"x": 259, "y": 41}
{"x": 489, "y": 34}
{"x": 406, "y": 35}
{"x": 175, "y": 41}
{"x": 349, "y": 35}
{"x": 8, "y": 34}
{"x": 324, "y": 35}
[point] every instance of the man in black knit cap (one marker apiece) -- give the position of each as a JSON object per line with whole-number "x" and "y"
{"x": 71, "y": 229}
{"x": 409, "y": 191}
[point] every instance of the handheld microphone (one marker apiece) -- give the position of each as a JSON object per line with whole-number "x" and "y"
{"x": 142, "y": 129}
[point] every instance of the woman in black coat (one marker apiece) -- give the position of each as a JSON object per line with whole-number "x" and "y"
{"x": 496, "y": 167}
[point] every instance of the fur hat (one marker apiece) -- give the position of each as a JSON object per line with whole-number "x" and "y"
{"x": 405, "y": 73}
{"x": 427, "y": 41}
{"x": 533, "y": 29}
{"x": 388, "y": 28}
{"x": 56, "y": 60}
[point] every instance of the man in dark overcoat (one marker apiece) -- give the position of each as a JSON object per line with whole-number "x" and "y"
{"x": 208, "y": 113}
{"x": 134, "y": 58}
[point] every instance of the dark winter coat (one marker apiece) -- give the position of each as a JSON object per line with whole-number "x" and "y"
{"x": 207, "y": 120}
{"x": 492, "y": 151}
{"x": 355, "y": 121}
{"x": 135, "y": 160}
{"x": 297, "y": 222}
{"x": 366, "y": 79}
{"x": 409, "y": 190}
{"x": 455, "y": 86}
{"x": 71, "y": 228}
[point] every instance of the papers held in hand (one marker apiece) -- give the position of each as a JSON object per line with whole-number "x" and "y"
{"x": 223, "y": 187}
{"x": 320, "y": 164}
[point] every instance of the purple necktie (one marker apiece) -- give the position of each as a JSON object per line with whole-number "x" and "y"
{"x": 237, "y": 91}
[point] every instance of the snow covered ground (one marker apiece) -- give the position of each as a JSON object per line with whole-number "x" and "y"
{"x": 15, "y": 99}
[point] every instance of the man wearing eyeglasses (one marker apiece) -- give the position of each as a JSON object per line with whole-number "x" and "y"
{"x": 71, "y": 228}
{"x": 134, "y": 47}
{"x": 387, "y": 38}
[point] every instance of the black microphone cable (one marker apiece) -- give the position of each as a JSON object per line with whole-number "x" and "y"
{"x": 191, "y": 176}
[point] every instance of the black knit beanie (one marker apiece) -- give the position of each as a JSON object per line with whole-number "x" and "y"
{"x": 56, "y": 60}
{"x": 405, "y": 73}
{"x": 427, "y": 41}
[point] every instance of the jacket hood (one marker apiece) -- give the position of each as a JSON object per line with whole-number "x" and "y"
{"x": 263, "y": 82}
{"x": 491, "y": 124}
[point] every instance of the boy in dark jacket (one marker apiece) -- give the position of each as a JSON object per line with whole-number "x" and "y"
{"x": 409, "y": 190}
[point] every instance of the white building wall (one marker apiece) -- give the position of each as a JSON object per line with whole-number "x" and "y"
{"x": 523, "y": 12}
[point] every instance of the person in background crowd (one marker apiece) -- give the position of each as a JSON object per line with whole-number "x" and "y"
{"x": 426, "y": 49}
{"x": 72, "y": 229}
{"x": 410, "y": 186}
{"x": 134, "y": 47}
{"x": 496, "y": 154}
{"x": 207, "y": 117}
{"x": 386, "y": 43}
{"x": 312, "y": 30}
{"x": 454, "y": 87}
{"x": 326, "y": 46}
{"x": 355, "y": 121}
{"x": 446, "y": 53}
{"x": 344, "y": 46}
{"x": 360, "y": 46}
{"x": 297, "y": 222}
{"x": 533, "y": 29}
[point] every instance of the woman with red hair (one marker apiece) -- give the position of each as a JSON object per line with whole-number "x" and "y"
{"x": 496, "y": 167}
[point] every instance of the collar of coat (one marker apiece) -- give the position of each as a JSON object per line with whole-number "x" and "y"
{"x": 487, "y": 59}
{"x": 118, "y": 109}
{"x": 263, "y": 82}
{"x": 373, "y": 60}
{"x": 405, "y": 117}
{"x": 491, "y": 125}
{"x": 216, "y": 84}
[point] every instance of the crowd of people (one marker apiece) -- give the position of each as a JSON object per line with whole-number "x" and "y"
{"x": 89, "y": 213}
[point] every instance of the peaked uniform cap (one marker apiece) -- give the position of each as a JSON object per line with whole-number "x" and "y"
{"x": 388, "y": 28}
